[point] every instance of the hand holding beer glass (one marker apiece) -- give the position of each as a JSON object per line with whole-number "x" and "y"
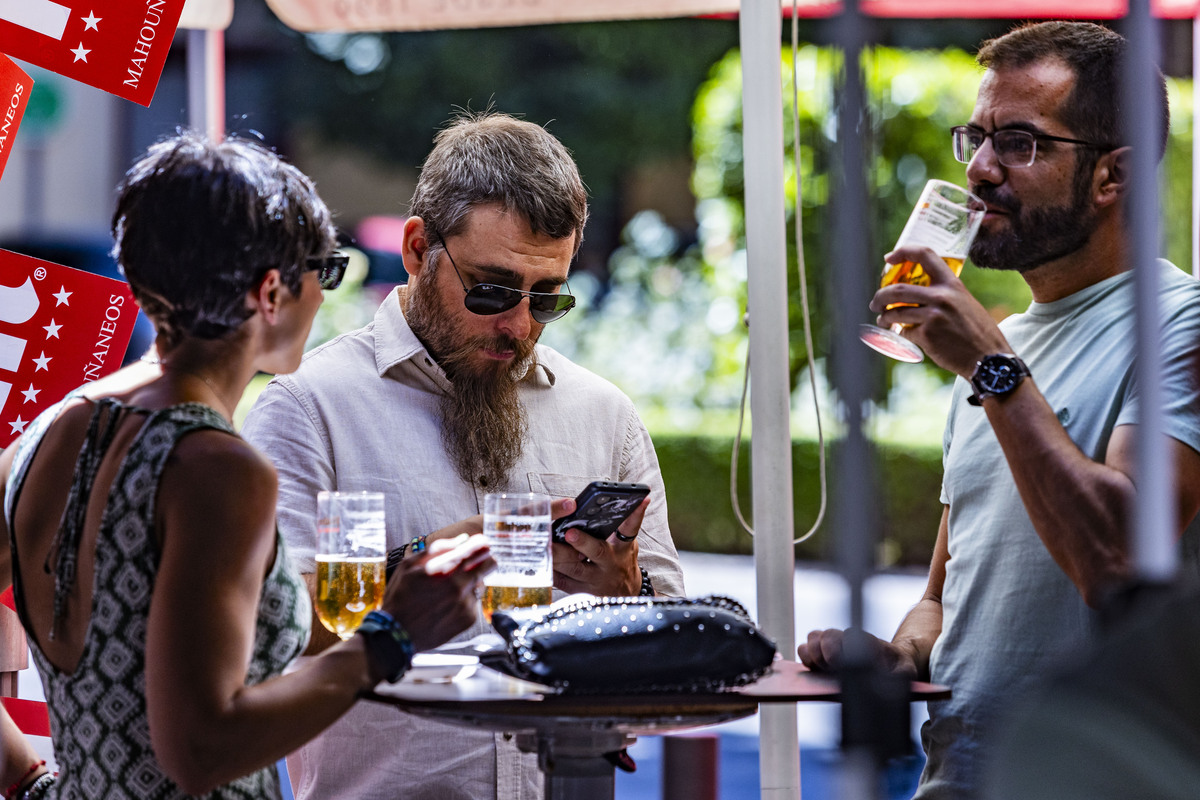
{"x": 945, "y": 219}
{"x": 517, "y": 527}
{"x": 351, "y": 556}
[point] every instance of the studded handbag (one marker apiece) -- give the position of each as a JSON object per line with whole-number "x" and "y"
{"x": 636, "y": 644}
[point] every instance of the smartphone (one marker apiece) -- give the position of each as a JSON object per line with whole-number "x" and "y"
{"x": 600, "y": 509}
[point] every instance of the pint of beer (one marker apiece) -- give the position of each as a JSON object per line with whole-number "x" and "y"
{"x": 517, "y": 527}
{"x": 347, "y": 588}
{"x": 351, "y": 556}
{"x": 945, "y": 219}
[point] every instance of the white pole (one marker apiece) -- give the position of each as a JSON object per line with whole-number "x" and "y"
{"x": 1195, "y": 146}
{"x": 771, "y": 457}
{"x": 1153, "y": 536}
{"x": 206, "y": 82}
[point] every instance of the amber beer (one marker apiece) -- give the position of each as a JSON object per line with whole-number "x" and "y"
{"x": 912, "y": 273}
{"x": 348, "y": 588}
{"x": 495, "y": 598}
{"x": 517, "y": 527}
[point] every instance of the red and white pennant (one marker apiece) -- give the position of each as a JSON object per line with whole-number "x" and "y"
{"x": 118, "y": 47}
{"x": 15, "y": 86}
{"x": 59, "y": 328}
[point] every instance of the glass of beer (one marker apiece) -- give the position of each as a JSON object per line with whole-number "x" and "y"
{"x": 517, "y": 527}
{"x": 351, "y": 554}
{"x": 946, "y": 219}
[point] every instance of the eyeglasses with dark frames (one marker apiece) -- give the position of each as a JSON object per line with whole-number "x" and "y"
{"x": 330, "y": 269}
{"x": 486, "y": 299}
{"x": 1014, "y": 148}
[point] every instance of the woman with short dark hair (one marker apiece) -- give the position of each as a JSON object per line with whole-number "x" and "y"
{"x": 139, "y": 528}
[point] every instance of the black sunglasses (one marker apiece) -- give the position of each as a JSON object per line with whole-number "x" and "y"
{"x": 330, "y": 269}
{"x": 488, "y": 298}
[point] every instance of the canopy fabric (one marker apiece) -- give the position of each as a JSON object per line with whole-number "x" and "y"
{"x": 412, "y": 15}
{"x": 211, "y": 15}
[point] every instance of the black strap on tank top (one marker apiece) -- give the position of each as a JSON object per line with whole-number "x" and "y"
{"x": 64, "y": 550}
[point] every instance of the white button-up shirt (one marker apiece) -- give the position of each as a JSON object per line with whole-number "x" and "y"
{"x": 363, "y": 413}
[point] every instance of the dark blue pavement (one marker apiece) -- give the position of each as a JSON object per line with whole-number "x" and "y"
{"x": 737, "y": 772}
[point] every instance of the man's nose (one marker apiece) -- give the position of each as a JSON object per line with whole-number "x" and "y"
{"x": 516, "y": 322}
{"x": 984, "y": 166}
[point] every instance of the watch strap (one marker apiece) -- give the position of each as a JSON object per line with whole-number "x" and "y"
{"x": 389, "y": 649}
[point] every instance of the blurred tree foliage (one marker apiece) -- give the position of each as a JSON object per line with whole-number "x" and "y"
{"x": 671, "y": 318}
{"x": 616, "y": 93}
{"x": 664, "y": 319}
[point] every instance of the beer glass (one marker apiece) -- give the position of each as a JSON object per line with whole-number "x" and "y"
{"x": 946, "y": 219}
{"x": 351, "y": 554}
{"x": 517, "y": 527}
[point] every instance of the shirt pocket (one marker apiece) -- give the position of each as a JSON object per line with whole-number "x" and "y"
{"x": 558, "y": 485}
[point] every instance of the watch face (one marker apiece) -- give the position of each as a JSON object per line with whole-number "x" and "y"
{"x": 997, "y": 375}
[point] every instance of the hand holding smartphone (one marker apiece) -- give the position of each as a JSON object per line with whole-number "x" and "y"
{"x": 600, "y": 509}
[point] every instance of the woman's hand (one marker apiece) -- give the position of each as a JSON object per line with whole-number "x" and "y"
{"x": 433, "y": 595}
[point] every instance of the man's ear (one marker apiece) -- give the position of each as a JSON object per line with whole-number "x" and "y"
{"x": 267, "y": 296}
{"x": 414, "y": 247}
{"x": 1111, "y": 177}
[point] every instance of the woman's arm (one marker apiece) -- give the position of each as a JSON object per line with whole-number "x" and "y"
{"x": 216, "y": 508}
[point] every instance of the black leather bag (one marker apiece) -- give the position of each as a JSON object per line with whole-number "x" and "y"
{"x": 636, "y": 644}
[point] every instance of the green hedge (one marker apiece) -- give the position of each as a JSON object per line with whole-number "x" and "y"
{"x": 696, "y": 472}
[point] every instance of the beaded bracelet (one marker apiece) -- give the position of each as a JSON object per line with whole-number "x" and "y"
{"x": 647, "y": 586}
{"x": 394, "y": 557}
{"x": 39, "y": 788}
{"x": 12, "y": 790}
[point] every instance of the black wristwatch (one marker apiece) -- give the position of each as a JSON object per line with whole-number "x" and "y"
{"x": 995, "y": 376}
{"x": 389, "y": 650}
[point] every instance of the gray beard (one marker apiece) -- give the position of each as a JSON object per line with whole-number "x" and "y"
{"x": 483, "y": 426}
{"x": 483, "y": 420}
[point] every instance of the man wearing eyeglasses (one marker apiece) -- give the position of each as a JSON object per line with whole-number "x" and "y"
{"x": 446, "y": 396}
{"x": 1041, "y": 437}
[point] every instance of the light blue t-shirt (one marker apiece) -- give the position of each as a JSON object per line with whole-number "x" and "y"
{"x": 1009, "y": 611}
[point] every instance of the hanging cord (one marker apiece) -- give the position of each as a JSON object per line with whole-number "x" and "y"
{"x": 808, "y": 342}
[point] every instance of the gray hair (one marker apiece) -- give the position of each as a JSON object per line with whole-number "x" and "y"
{"x": 488, "y": 157}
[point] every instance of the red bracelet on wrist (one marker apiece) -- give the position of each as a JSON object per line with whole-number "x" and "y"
{"x": 12, "y": 790}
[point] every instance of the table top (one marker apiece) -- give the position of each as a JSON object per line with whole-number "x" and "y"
{"x": 487, "y": 698}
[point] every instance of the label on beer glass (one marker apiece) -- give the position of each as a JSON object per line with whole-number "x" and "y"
{"x": 940, "y": 226}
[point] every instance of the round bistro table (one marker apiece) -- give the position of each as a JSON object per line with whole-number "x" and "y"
{"x": 571, "y": 733}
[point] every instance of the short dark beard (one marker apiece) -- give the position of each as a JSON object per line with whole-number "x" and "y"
{"x": 483, "y": 420}
{"x": 1040, "y": 235}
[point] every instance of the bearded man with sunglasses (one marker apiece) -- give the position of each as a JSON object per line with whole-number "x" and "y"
{"x": 446, "y": 396}
{"x": 1040, "y": 442}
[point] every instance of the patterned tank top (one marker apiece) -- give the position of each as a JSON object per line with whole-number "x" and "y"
{"x": 98, "y": 716}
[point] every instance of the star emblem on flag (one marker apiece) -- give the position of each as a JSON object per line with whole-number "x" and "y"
{"x": 125, "y": 57}
{"x": 48, "y": 357}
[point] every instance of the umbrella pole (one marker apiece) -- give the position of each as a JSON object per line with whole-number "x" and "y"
{"x": 770, "y": 398}
{"x": 206, "y": 82}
